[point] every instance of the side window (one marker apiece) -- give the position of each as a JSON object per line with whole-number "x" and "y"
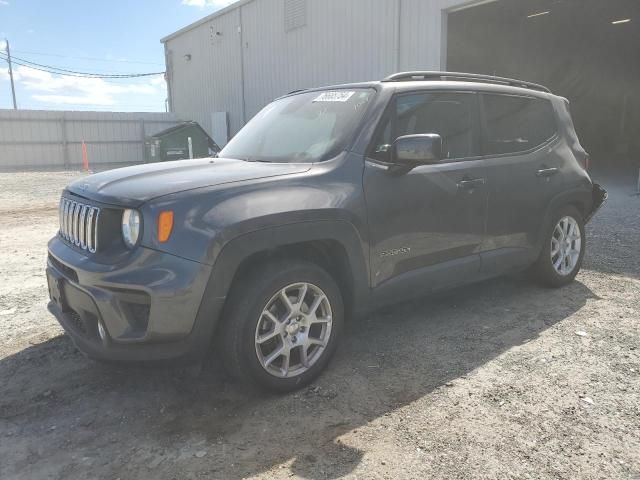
{"x": 517, "y": 124}
{"x": 450, "y": 115}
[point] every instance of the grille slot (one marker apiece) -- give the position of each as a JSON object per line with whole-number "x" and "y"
{"x": 68, "y": 272}
{"x": 79, "y": 224}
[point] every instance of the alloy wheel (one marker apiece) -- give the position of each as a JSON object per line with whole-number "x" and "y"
{"x": 293, "y": 330}
{"x": 566, "y": 246}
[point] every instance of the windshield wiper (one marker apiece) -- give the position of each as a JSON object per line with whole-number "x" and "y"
{"x": 247, "y": 159}
{"x": 253, "y": 159}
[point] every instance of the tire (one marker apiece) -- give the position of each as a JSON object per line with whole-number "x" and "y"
{"x": 259, "y": 324}
{"x": 549, "y": 269}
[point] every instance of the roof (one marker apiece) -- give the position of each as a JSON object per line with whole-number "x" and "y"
{"x": 408, "y": 81}
{"x": 468, "y": 77}
{"x": 464, "y": 85}
{"x": 208, "y": 18}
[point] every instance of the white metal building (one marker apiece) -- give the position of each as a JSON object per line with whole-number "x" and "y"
{"x": 224, "y": 68}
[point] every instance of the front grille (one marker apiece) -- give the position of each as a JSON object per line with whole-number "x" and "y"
{"x": 79, "y": 224}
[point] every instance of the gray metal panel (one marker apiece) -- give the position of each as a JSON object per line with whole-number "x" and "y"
{"x": 295, "y": 14}
{"x": 49, "y": 140}
{"x": 223, "y": 11}
{"x": 342, "y": 41}
{"x": 421, "y": 32}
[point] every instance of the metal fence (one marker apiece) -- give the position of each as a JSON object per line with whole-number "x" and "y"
{"x": 34, "y": 139}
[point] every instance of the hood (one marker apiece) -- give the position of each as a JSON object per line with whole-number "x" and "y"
{"x": 133, "y": 186}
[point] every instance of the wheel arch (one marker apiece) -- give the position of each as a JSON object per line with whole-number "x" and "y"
{"x": 328, "y": 254}
{"x": 333, "y": 245}
{"x": 579, "y": 199}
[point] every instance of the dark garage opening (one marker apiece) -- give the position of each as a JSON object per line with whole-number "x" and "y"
{"x": 585, "y": 50}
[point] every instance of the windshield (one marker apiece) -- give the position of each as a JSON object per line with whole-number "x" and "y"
{"x": 308, "y": 127}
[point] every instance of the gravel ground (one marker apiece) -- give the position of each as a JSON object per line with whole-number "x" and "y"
{"x": 498, "y": 380}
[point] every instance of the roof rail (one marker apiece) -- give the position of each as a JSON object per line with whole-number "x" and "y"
{"x": 468, "y": 77}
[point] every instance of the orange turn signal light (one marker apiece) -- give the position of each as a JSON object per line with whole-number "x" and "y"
{"x": 165, "y": 225}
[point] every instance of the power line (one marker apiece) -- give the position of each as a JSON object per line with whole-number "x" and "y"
{"x": 109, "y": 80}
{"x": 93, "y": 59}
{"x": 113, "y": 77}
{"x": 73, "y": 73}
{"x": 64, "y": 71}
{"x": 124, "y": 107}
{"x": 64, "y": 68}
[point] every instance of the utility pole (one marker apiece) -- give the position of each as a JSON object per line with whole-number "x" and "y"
{"x": 13, "y": 88}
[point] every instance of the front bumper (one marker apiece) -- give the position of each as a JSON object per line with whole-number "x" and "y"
{"x": 147, "y": 307}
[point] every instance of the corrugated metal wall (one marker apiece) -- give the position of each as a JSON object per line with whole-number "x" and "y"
{"x": 32, "y": 139}
{"x": 342, "y": 41}
{"x": 244, "y": 57}
{"x": 211, "y": 80}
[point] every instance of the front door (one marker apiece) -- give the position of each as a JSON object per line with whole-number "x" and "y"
{"x": 426, "y": 223}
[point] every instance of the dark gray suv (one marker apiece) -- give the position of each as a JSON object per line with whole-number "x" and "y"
{"x": 329, "y": 203}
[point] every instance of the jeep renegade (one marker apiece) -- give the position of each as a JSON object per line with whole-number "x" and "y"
{"x": 329, "y": 203}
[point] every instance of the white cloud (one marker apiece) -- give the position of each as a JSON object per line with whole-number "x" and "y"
{"x": 207, "y": 3}
{"x": 4, "y": 2}
{"x": 62, "y": 90}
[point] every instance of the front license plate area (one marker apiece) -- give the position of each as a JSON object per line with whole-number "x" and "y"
{"x": 56, "y": 289}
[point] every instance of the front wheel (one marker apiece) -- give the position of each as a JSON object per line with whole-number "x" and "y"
{"x": 563, "y": 251}
{"x": 283, "y": 325}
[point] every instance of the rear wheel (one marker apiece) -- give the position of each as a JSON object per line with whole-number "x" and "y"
{"x": 563, "y": 251}
{"x": 283, "y": 324}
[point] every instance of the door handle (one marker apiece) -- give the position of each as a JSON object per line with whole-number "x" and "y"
{"x": 470, "y": 184}
{"x": 547, "y": 172}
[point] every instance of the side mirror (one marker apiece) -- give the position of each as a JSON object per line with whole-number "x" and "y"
{"x": 417, "y": 149}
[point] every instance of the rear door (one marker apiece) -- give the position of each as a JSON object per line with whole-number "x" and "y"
{"x": 523, "y": 166}
{"x": 427, "y": 223}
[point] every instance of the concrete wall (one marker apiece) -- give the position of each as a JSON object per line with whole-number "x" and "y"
{"x": 242, "y": 57}
{"x": 31, "y": 139}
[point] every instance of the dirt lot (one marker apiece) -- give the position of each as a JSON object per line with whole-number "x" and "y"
{"x": 488, "y": 381}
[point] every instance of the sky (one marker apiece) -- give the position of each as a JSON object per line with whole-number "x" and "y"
{"x": 101, "y": 36}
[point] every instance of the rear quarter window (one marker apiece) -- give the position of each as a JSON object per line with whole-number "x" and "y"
{"x": 516, "y": 124}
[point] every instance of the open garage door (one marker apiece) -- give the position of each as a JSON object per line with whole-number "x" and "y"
{"x": 585, "y": 50}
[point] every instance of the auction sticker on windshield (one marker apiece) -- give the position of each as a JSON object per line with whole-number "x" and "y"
{"x": 335, "y": 96}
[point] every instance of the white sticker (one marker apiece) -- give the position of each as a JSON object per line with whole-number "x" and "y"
{"x": 335, "y": 96}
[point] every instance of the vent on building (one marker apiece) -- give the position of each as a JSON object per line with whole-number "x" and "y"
{"x": 295, "y": 14}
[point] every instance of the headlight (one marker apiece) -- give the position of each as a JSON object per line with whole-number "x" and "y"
{"x": 131, "y": 227}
